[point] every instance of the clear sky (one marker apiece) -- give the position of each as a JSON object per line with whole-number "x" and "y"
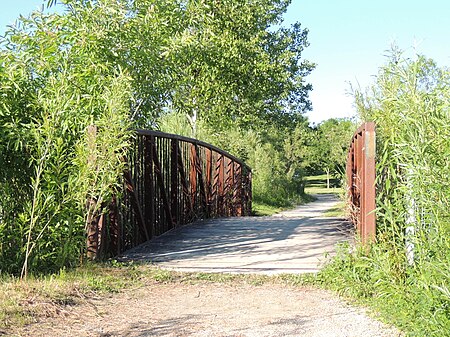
{"x": 348, "y": 38}
{"x": 10, "y": 10}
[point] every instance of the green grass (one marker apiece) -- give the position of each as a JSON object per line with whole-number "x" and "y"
{"x": 261, "y": 209}
{"x": 318, "y": 185}
{"x": 369, "y": 276}
{"x": 264, "y": 209}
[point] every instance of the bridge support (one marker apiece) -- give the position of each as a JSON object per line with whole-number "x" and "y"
{"x": 361, "y": 181}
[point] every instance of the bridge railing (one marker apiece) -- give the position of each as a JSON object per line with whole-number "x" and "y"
{"x": 171, "y": 181}
{"x": 361, "y": 181}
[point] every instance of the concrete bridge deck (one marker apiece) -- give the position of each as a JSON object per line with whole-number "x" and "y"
{"x": 294, "y": 241}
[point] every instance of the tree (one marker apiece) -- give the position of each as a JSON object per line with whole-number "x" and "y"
{"x": 332, "y": 143}
{"x": 112, "y": 65}
{"x": 300, "y": 152}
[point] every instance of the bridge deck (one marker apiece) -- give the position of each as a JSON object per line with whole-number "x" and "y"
{"x": 294, "y": 241}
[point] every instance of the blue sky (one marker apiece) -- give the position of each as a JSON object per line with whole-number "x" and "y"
{"x": 348, "y": 38}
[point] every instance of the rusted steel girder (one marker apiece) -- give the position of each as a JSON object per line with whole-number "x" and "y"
{"x": 361, "y": 181}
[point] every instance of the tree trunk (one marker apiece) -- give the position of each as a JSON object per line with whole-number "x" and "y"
{"x": 328, "y": 178}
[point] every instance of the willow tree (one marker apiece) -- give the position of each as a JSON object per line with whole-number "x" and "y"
{"x": 115, "y": 65}
{"x": 226, "y": 63}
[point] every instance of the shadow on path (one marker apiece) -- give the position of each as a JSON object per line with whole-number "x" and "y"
{"x": 293, "y": 241}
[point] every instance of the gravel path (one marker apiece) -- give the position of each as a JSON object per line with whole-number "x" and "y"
{"x": 214, "y": 310}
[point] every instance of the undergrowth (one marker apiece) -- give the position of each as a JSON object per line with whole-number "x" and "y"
{"x": 405, "y": 274}
{"x": 418, "y": 303}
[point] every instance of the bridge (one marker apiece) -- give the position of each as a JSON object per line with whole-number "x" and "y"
{"x": 187, "y": 207}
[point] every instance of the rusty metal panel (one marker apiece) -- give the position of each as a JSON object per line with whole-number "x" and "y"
{"x": 360, "y": 172}
{"x": 162, "y": 189}
{"x": 170, "y": 181}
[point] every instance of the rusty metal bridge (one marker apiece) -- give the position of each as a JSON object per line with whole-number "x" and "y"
{"x": 173, "y": 181}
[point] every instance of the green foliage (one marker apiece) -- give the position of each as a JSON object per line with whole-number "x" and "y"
{"x": 74, "y": 83}
{"x": 405, "y": 274}
{"x": 331, "y": 142}
{"x": 277, "y": 161}
{"x": 53, "y": 88}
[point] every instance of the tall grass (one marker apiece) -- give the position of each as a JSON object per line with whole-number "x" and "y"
{"x": 406, "y": 273}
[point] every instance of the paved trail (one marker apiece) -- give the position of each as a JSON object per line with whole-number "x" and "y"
{"x": 294, "y": 241}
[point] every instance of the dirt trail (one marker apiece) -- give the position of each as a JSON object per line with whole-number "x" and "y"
{"x": 209, "y": 309}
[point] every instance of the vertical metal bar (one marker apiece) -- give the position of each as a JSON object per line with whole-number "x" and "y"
{"x": 215, "y": 185}
{"x": 228, "y": 186}
{"x": 187, "y": 209}
{"x": 250, "y": 198}
{"x": 358, "y": 183}
{"x": 149, "y": 196}
{"x": 202, "y": 195}
{"x": 369, "y": 216}
{"x": 174, "y": 181}
{"x": 220, "y": 184}
{"x": 193, "y": 176}
{"x": 136, "y": 206}
{"x": 239, "y": 188}
{"x": 208, "y": 180}
{"x": 233, "y": 189}
{"x": 162, "y": 189}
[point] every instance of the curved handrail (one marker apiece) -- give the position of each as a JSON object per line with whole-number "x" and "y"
{"x": 171, "y": 180}
{"x": 190, "y": 140}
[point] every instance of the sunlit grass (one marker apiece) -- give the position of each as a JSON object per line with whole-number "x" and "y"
{"x": 263, "y": 209}
{"x": 318, "y": 185}
{"x": 260, "y": 209}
